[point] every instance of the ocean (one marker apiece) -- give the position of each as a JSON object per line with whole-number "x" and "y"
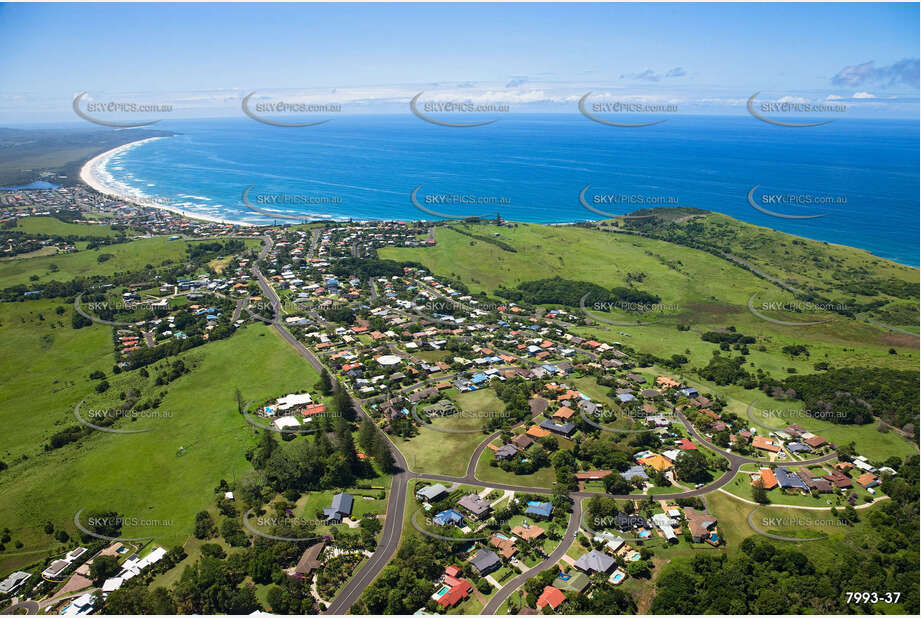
{"x": 861, "y": 175}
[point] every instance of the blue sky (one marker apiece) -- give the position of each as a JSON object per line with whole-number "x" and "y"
{"x": 539, "y": 57}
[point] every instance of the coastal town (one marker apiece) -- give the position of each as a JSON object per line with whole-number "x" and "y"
{"x": 552, "y": 468}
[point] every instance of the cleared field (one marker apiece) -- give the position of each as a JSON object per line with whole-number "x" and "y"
{"x": 141, "y": 475}
{"x": 130, "y": 256}
{"x": 697, "y": 288}
{"x": 56, "y": 227}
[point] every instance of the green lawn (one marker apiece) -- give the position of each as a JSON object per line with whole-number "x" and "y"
{"x": 56, "y": 227}
{"x": 140, "y": 475}
{"x": 705, "y": 291}
{"x": 130, "y": 256}
{"x": 545, "y": 477}
{"x": 448, "y": 453}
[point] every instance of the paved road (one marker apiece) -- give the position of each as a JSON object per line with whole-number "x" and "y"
{"x": 314, "y": 237}
{"x": 237, "y": 310}
{"x": 738, "y": 460}
{"x": 30, "y": 607}
{"x": 514, "y": 584}
{"x": 390, "y": 538}
{"x": 393, "y": 523}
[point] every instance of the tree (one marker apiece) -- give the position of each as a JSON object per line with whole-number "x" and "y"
{"x": 383, "y": 455}
{"x": 638, "y": 568}
{"x": 102, "y": 568}
{"x": 325, "y": 384}
{"x": 366, "y": 435}
{"x": 692, "y": 466}
{"x": 204, "y": 525}
{"x": 759, "y": 493}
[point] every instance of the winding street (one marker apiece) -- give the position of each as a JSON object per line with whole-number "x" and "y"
{"x": 390, "y": 536}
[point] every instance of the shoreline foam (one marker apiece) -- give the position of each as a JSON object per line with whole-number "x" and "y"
{"x": 91, "y": 174}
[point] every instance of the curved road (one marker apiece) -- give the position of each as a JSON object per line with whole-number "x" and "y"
{"x": 393, "y": 522}
{"x": 390, "y": 537}
{"x": 555, "y": 556}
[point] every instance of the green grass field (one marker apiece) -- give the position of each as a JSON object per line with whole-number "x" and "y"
{"x": 140, "y": 475}
{"x": 448, "y": 453}
{"x": 56, "y": 227}
{"x": 130, "y": 256}
{"x": 545, "y": 477}
{"x": 705, "y": 291}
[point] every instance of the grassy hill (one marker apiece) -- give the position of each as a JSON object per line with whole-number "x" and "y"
{"x": 701, "y": 291}
{"x": 137, "y": 475}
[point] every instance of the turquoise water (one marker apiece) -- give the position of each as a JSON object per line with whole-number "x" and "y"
{"x": 533, "y": 167}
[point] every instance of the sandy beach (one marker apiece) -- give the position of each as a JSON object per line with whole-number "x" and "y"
{"x": 94, "y": 174}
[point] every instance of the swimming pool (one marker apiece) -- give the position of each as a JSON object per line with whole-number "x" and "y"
{"x": 635, "y": 557}
{"x": 643, "y": 534}
{"x": 441, "y": 592}
{"x": 617, "y": 577}
{"x": 533, "y": 502}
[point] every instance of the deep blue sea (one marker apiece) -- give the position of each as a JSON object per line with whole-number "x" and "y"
{"x": 533, "y": 168}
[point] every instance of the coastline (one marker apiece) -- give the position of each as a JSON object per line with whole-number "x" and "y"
{"x": 93, "y": 175}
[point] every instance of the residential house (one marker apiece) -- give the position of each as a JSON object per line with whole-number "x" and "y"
{"x": 565, "y": 429}
{"x": 551, "y": 596}
{"x": 447, "y": 517}
{"x": 594, "y": 562}
{"x": 789, "y": 480}
{"x": 432, "y": 493}
{"x": 504, "y": 545}
{"x": 540, "y": 509}
{"x": 310, "y": 559}
{"x": 340, "y": 507}
{"x": 475, "y": 505}
{"x": 485, "y": 562}
{"x": 506, "y": 451}
{"x": 699, "y": 524}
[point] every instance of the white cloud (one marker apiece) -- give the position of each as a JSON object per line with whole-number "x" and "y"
{"x": 863, "y": 95}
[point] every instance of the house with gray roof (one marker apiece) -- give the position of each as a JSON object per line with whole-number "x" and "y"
{"x": 341, "y": 507}
{"x": 562, "y": 429}
{"x": 475, "y": 505}
{"x": 506, "y": 451}
{"x": 432, "y": 493}
{"x": 485, "y": 562}
{"x": 595, "y": 561}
